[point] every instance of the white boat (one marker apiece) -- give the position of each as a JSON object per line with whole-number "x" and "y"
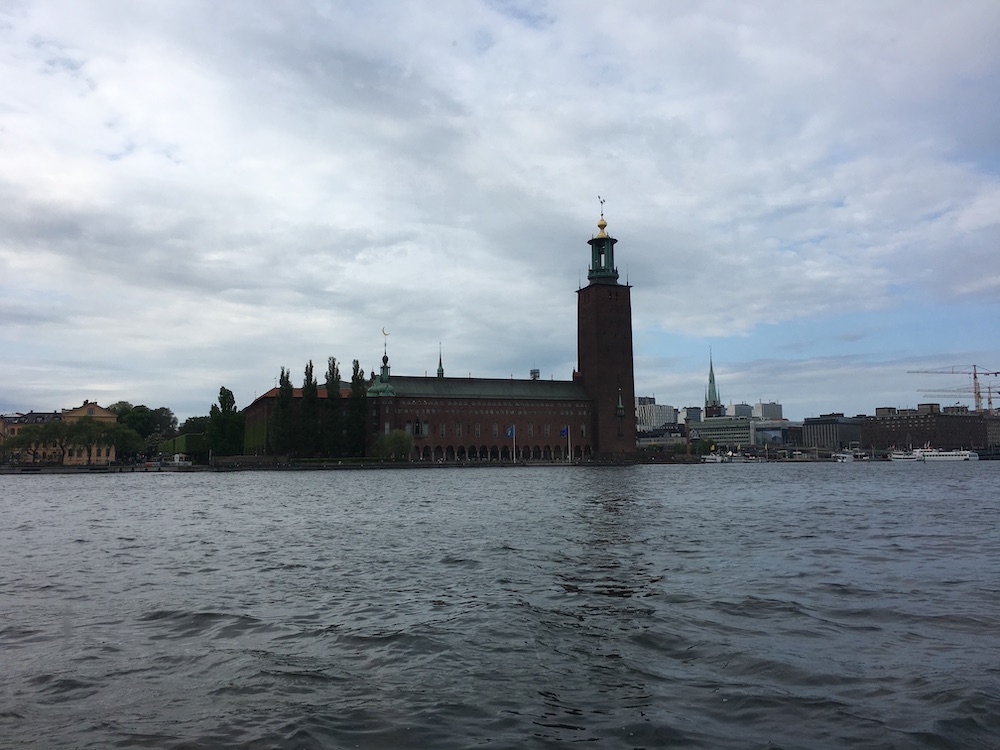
{"x": 715, "y": 458}
{"x": 849, "y": 456}
{"x": 933, "y": 454}
{"x": 936, "y": 454}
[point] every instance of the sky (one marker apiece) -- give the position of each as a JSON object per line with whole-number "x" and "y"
{"x": 196, "y": 194}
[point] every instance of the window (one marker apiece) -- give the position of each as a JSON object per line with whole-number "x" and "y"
{"x": 531, "y": 430}
{"x": 458, "y": 430}
{"x": 496, "y": 430}
{"x": 477, "y": 429}
{"x": 547, "y": 431}
{"x": 583, "y": 430}
{"x": 441, "y": 430}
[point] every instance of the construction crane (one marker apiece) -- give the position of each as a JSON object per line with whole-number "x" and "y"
{"x": 964, "y": 392}
{"x": 974, "y": 370}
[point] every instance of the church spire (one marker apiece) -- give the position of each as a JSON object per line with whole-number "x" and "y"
{"x": 713, "y": 404}
{"x": 440, "y": 362}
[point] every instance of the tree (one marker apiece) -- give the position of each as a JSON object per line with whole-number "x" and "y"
{"x": 193, "y": 426}
{"x": 356, "y": 412}
{"x": 87, "y": 433}
{"x": 224, "y": 432}
{"x": 140, "y": 418}
{"x": 332, "y": 423}
{"x": 282, "y": 423}
{"x": 128, "y": 443}
{"x": 120, "y": 408}
{"x": 164, "y": 422}
{"x": 159, "y": 422}
{"x": 29, "y": 444}
{"x": 396, "y": 445}
{"x": 308, "y": 432}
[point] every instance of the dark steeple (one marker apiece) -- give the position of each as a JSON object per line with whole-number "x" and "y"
{"x": 713, "y": 404}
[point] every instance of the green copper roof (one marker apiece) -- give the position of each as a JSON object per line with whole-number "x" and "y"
{"x": 441, "y": 387}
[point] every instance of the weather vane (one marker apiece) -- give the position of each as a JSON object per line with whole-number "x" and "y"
{"x": 602, "y": 204}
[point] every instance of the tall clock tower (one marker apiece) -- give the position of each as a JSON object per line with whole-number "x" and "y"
{"x": 604, "y": 351}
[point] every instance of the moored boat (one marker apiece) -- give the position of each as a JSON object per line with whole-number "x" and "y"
{"x": 936, "y": 454}
{"x": 933, "y": 454}
{"x": 715, "y": 458}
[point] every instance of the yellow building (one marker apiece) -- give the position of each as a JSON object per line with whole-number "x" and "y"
{"x": 71, "y": 453}
{"x": 94, "y": 454}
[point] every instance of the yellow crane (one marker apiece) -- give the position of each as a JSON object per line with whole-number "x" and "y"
{"x": 975, "y": 371}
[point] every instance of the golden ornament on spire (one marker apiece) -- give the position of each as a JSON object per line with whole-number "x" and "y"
{"x": 602, "y": 223}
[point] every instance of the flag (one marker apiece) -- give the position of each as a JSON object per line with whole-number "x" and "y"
{"x": 564, "y": 432}
{"x": 510, "y": 431}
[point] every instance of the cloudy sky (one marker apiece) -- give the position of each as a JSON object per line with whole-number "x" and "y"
{"x": 194, "y": 194}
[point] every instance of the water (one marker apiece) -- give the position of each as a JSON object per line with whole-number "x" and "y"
{"x": 725, "y": 606}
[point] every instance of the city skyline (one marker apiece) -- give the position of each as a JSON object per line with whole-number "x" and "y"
{"x": 195, "y": 198}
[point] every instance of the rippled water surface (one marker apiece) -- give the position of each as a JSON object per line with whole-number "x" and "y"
{"x": 724, "y": 606}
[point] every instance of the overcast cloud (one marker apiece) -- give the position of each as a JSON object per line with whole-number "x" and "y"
{"x": 194, "y": 194}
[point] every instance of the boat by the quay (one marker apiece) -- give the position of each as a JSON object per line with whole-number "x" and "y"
{"x": 928, "y": 454}
{"x": 716, "y": 458}
{"x": 850, "y": 456}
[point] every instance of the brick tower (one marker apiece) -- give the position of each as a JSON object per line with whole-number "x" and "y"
{"x": 604, "y": 351}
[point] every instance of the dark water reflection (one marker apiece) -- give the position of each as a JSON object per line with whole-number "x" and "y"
{"x": 730, "y": 606}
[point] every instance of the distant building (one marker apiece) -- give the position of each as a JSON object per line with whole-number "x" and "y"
{"x": 76, "y": 455}
{"x": 739, "y": 410}
{"x": 650, "y": 415}
{"x": 770, "y": 410}
{"x": 928, "y": 424}
{"x": 690, "y": 414}
{"x": 741, "y": 432}
{"x": 831, "y": 431}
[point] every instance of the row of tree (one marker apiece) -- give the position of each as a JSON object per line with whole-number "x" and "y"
{"x": 138, "y": 433}
{"x": 307, "y": 427}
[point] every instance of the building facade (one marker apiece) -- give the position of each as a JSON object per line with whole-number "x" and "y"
{"x": 831, "y": 431}
{"x": 590, "y": 417}
{"x": 73, "y": 453}
{"x": 927, "y": 424}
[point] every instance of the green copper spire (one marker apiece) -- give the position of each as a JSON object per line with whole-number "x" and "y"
{"x": 381, "y": 386}
{"x": 712, "y": 397}
{"x": 602, "y": 254}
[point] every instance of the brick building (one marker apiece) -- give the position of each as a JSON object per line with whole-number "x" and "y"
{"x": 589, "y": 417}
{"x": 927, "y": 424}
